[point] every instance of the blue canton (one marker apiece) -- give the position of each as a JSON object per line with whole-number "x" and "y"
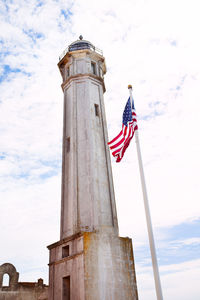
{"x": 127, "y": 115}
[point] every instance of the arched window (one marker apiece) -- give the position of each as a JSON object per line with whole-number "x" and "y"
{"x": 8, "y": 276}
{"x": 6, "y": 280}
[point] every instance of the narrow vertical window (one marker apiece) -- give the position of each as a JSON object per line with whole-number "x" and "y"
{"x": 93, "y": 68}
{"x": 65, "y": 251}
{"x": 96, "y": 106}
{"x": 100, "y": 72}
{"x": 68, "y": 144}
{"x": 67, "y": 71}
{"x": 6, "y": 280}
{"x": 66, "y": 288}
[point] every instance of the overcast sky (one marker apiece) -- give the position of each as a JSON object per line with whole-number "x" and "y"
{"x": 153, "y": 45}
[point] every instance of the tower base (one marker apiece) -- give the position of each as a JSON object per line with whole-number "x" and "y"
{"x": 92, "y": 266}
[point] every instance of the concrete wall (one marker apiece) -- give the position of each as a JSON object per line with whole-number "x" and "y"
{"x": 110, "y": 267}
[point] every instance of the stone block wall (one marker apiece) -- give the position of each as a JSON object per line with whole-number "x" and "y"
{"x": 20, "y": 290}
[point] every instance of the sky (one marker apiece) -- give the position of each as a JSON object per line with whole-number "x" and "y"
{"x": 153, "y": 45}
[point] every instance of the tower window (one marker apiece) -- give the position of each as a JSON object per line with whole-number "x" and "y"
{"x": 66, "y": 288}
{"x": 96, "y": 106}
{"x": 65, "y": 251}
{"x": 68, "y": 144}
{"x": 93, "y": 68}
{"x": 67, "y": 71}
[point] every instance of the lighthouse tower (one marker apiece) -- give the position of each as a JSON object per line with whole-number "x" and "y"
{"x": 90, "y": 261}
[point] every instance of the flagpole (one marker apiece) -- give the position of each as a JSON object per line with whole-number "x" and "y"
{"x": 147, "y": 212}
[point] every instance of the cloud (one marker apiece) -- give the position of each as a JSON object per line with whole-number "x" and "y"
{"x": 183, "y": 275}
{"x": 148, "y": 44}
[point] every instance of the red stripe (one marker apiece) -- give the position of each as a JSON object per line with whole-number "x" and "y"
{"x": 124, "y": 149}
{"x": 116, "y": 145}
{"x": 115, "y": 153}
{"x": 124, "y": 130}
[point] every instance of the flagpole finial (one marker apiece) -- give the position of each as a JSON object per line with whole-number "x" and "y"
{"x": 129, "y": 86}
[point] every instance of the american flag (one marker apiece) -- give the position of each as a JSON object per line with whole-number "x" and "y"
{"x": 120, "y": 143}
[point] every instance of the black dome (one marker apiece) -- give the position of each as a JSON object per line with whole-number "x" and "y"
{"x": 81, "y": 44}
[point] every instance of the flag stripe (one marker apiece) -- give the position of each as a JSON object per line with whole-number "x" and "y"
{"x": 115, "y": 138}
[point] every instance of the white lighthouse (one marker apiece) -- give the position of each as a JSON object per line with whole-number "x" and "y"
{"x": 90, "y": 262}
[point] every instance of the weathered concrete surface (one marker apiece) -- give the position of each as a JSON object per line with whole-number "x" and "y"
{"x": 109, "y": 267}
{"x": 88, "y": 201}
{"x": 61, "y": 267}
{"x": 20, "y": 290}
{"x": 100, "y": 266}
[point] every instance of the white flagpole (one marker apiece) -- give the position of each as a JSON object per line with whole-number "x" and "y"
{"x": 148, "y": 216}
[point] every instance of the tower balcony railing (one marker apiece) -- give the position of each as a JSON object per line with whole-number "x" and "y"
{"x": 80, "y": 46}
